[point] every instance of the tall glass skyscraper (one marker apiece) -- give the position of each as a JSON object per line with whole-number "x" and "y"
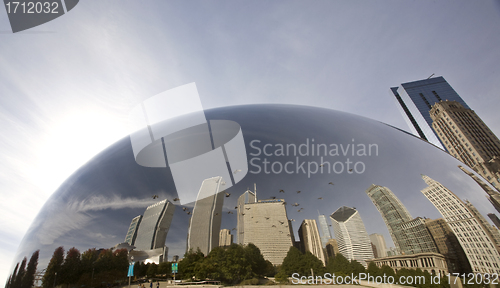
{"x": 325, "y": 231}
{"x": 415, "y": 100}
{"x": 409, "y": 235}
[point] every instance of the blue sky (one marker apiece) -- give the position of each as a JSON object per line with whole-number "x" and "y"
{"x": 66, "y": 87}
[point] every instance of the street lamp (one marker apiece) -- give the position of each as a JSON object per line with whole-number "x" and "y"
{"x": 55, "y": 277}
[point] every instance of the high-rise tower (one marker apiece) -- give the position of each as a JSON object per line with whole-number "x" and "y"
{"x": 325, "y": 231}
{"x": 409, "y": 235}
{"x": 466, "y": 137}
{"x": 309, "y": 237}
{"x": 351, "y": 235}
{"x": 415, "y": 100}
{"x": 247, "y": 197}
{"x": 153, "y": 228}
{"x": 478, "y": 246}
{"x": 132, "y": 230}
{"x": 379, "y": 242}
{"x": 266, "y": 225}
{"x": 204, "y": 227}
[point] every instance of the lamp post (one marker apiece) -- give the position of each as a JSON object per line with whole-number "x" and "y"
{"x": 55, "y": 277}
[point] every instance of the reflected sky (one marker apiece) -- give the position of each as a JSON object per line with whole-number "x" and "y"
{"x": 94, "y": 207}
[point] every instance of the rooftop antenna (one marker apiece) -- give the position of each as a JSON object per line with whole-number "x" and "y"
{"x": 431, "y": 76}
{"x": 255, "y": 191}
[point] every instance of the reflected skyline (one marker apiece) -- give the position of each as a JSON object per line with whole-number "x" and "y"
{"x": 94, "y": 207}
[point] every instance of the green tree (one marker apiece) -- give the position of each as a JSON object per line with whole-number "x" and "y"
{"x": 49, "y": 278}
{"x": 292, "y": 262}
{"x": 373, "y": 270}
{"x": 187, "y": 266}
{"x": 151, "y": 272}
{"x": 355, "y": 267}
{"x": 338, "y": 264}
{"x": 270, "y": 269}
{"x": 29, "y": 276}
{"x": 308, "y": 262}
{"x": 257, "y": 261}
{"x": 164, "y": 268}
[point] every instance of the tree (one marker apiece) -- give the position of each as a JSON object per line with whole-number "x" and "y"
{"x": 257, "y": 261}
{"x": 291, "y": 263}
{"x": 71, "y": 267}
{"x": 339, "y": 264}
{"x": 164, "y": 268}
{"x": 20, "y": 274}
{"x": 356, "y": 267}
{"x": 151, "y": 272}
{"x": 374, "y": 270}
{"x": 29, "y": 276}
{"x": 308, "y": 262}
{"x": 49, "y": 278}
{"x": 187, "y": 266}
{"x": 13, "y": 276}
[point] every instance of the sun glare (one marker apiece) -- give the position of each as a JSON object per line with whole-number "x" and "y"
{"x": 73, "y": 141}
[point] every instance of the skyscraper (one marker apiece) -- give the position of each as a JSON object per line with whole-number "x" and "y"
{"x": 466, "y": 137}
{"x": 415, "y": 100}
{"x": 132, "y": 230}
{"x": 204, "y": 227}
{"x": 379, "y": 242}
{"x": 494, "y": 218}
{"x": 153, "y": 228}
{"x": 225, "y": 238}
{"x": 247, "y": 197}
{"x": 478, "y": 246}
{"x": 491, "y": 231}
{"x": 448, "y": 245}
{"x": 309, "y": 237}
{"x": 266, "y": 225}
{"x": 351, "y": 235}
{"x": 493, "y": 196}
{"x": 325, "y": 231}
{"x": 409, "y": 235}
{"x": 332, "y": 248}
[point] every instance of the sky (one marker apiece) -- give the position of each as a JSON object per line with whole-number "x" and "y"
{"x": 66, "y": 87}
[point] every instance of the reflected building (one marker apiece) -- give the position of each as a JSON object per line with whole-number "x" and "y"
{"x": 247, "y": 197}
{"x": 132, "y": 230}
{"x": 409, "y": 235}
{"x": 490, "y": 229}
{"x": 493, "y": 196}
{"x": 266, "y": 225}
{"x": 310, "y": 239}
{"x": 415, "y": 100}
{"x": 332, "y": 248}
{"x": 351, "y": 235}
{"x": 153, "y": 228}
{"x": 379, "y": 242}
{"x": 448, "y": 245}
{"x": 225, "y": 238}
{"x": 204, "y": 226}
{"x": 466, "y": 137}
{"x": 434, "y": 263}
{"x": 325, "y": 231}
{"x": 478, "y": 246}
{"x": 494, "y": 218}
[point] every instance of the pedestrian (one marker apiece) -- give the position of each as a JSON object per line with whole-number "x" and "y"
{"x": 151, "y": 284}
{"x": 158, "y": 284}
